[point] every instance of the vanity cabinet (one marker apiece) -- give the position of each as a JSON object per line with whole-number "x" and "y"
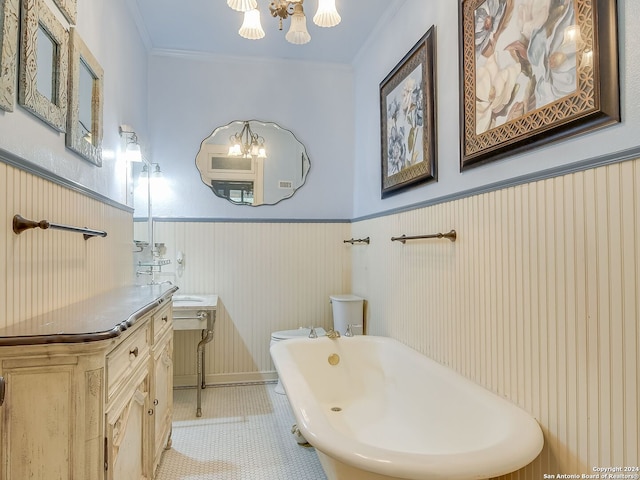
{"x": 50, "y": 417}
{"x": 90, "y": 407}
{"x": 162, "y": 384}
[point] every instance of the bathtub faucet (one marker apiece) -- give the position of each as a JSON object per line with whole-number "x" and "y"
{"x": 333, "y": 333}
{"x": 349, "y": 332}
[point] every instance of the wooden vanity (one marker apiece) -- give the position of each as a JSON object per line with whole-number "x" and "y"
{"x": 86, "y": 391}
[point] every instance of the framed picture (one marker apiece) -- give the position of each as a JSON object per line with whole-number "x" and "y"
{"x": 44, "y": 64}
{"x": 534, "y": 71}
{"x": 84, "y": 122}
{"x": 408, "y": 119}
{"x": 8, "y": 52}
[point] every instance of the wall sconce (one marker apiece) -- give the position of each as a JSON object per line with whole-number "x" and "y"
{"x": 155, "y": 171}
{"x": 132, "y": 149}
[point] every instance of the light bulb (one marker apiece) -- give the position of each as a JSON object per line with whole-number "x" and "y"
{"x": 251, "y": 27}
{"x": 133, "y": 153}
{"x": 243, "y": 5}
{"x": 327, "y": 15}
{"x": 298, "y": 33}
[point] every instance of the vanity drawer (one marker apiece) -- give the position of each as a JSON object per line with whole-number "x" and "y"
{"x": 162, "y": 320}
{"x": 127, "y": 356}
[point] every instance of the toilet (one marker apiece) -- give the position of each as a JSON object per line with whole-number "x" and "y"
{"x": 347, "y": 310}
{"x": 301, "y": 332}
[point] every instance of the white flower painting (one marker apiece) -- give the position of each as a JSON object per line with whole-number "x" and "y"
{"x": 525, "y": 56}
{"x": 405, "y": 121}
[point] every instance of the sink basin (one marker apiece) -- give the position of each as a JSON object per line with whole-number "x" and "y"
{"x": 187, "y": 298}
{"x": 193, "y": 302}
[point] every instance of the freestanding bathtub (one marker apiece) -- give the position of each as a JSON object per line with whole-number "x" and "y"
{"x": 376, "y": 409}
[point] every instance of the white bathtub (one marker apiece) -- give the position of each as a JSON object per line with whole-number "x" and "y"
{"x": 387, "y": 412}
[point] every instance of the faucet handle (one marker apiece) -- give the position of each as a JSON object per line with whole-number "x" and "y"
{"x": 333, "y": 333}
{"x": 349, "y": 332}
{"x": 312, "y": 332}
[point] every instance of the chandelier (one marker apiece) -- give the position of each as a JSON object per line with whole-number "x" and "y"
{"x": 326, "y": 16}
{"x": 247, "y": 144}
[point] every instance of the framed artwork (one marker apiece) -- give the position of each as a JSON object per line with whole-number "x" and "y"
{"x": 69, "y": 9}
{"x": 84, "y": 123}
{"x": 44, "y": 64}
{"x": 8, "y": 52}
{"x": 408, "y": 119}
{"x": 534, "y": 71}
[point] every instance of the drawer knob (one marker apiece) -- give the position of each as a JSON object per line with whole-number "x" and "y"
{"x": 165, "y": 318}
{"x": 150, "y": 411}
{"x": 134, "y": 352}
{"x": 155, "y": 402}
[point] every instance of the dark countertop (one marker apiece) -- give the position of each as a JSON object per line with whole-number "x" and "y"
{"x": 97, "y": 318}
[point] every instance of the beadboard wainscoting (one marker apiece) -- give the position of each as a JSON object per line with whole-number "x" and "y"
{"x": 268, "y": 276}
{"x": 47, "y": 269}
{"x": 537, "y": 300}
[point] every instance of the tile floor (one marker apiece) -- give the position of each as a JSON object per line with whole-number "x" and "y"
{"x": 244, "y": 434}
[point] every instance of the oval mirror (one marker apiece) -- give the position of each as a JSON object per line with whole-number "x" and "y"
{"x": 252, "y": 163}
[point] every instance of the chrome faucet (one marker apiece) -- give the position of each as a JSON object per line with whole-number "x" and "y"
{"x": 349, "y": 332}
{"x": 312, "y": 332}
{"x": 333, "y": 333}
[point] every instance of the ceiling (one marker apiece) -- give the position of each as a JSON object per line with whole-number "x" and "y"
{"x": 211, "y": 27}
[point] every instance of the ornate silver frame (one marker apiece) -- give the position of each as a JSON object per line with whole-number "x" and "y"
{"x": 79, "y": 53}
{"x": 69, "y": 9}
{"x": 8, "y": 52}
{"x": 36, "y": 13}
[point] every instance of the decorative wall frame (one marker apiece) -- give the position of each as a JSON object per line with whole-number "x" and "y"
{"x": 86, "y": 80}
{"x": 408, "y": 119}
{"x": 39, "y": 22}
{"x": 534, "y": 71}
{"x": 9, "y": 11}
{"x": 69, "y": 9}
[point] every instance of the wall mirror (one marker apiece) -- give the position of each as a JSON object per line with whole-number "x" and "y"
{"x": 84, "y": 126}
{"x": 253, "y": 163}
{"x": 44, "y": 64}
{"x": 8, "y": 52}
{"x": 142, "y": 214}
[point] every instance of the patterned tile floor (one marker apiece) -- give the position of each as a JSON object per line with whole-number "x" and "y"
{"x": 244, "y": 434}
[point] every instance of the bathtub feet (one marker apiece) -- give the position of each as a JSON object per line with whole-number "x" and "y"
{"x": 298, "y": 436}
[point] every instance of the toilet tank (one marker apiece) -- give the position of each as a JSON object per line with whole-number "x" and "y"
{"x": 347, "y": 310}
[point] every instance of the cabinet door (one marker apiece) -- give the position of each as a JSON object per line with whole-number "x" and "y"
{"x": 126, "y": 447}
{"x": 37, "y": 421}
{"x": 163, "y": 395}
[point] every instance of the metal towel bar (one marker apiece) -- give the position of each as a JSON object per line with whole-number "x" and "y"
{"x": 20, "y": 224}
{"x": 452, "y": 235}
{"x": 199, "y": 316}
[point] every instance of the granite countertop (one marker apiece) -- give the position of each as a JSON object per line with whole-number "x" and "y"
{"x": 97, "y": 318}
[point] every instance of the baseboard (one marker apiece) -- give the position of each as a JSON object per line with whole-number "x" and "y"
{"x": 181, "y": 381}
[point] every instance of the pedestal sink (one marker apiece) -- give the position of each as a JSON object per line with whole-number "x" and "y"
{"x": 196, "y": 312}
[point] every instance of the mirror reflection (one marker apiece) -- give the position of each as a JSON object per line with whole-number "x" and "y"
{"x": 46, "y": 56}
{"x": 85, "y": 101}
{"x": 252, "y": 163}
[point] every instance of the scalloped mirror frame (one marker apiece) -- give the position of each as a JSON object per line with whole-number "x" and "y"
{"x": 209, "y": 151}
{"x": 34, "y": 14}
{"x": 8, "y": 52}
{"x": 79, "y": 53}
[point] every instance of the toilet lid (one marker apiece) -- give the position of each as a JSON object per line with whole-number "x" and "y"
{"x": 295, "y": 333}
{"x": 347, "y": 297}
